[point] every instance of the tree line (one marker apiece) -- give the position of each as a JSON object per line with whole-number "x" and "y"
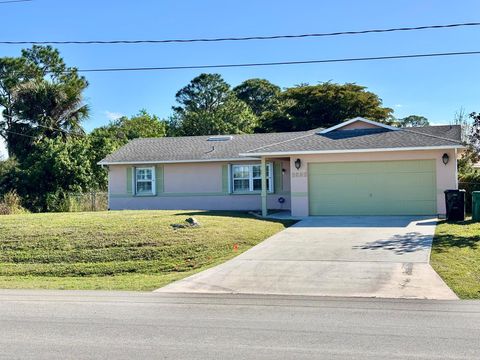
{"x": 51, "y": 155}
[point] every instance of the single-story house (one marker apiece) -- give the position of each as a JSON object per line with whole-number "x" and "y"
{"x": 359, "y": 167}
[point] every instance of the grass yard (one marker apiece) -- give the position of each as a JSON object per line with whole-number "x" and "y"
{"x": 456, "y": 257}
{"x": 121, "y": 250}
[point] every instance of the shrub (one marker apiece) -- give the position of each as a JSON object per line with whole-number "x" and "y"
{"x": 470, "y": 182}
{"x": 11, "y": 203}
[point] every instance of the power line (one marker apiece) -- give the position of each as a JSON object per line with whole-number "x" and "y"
{"x": 279, "y": 63}
{"x": 246, "y": 38}
{"x": 47, "y": 127}
{"x": 19, "y": 134}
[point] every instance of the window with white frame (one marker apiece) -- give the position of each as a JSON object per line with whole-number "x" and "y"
{"x": 248, "y": 178}
{"x": 145, "y": 181}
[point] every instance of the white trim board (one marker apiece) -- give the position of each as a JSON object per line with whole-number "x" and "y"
{"x": 170, "y": 161}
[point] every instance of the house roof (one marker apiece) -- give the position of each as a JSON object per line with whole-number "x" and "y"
{"x": 368, "y": 140}
{"x": 250, "y": 146}
{"x": 194, "y": 148}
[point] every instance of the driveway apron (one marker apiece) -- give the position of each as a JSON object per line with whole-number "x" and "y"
{"x": 356, "y": 256}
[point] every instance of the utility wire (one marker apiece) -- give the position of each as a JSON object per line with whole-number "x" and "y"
{"x": 48, "y": 127}
{"x": 19, "y": 134}
{"x": 246, "y": 38}
{"x": 279, "y": 63}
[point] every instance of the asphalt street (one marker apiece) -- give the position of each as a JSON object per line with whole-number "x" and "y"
{"x": 122, "y": 325}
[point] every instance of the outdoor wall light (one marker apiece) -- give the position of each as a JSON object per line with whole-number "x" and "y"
{"x": 284, "y": 171}
{"x": 298, "y": 163}
{"x": 445, "y": 158}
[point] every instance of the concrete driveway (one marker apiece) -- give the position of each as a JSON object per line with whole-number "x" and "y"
{"x": 362, "y": 256}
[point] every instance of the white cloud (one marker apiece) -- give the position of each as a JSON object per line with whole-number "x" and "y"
{"x": 113, "y": 115}
{"x": 398, "y": 105}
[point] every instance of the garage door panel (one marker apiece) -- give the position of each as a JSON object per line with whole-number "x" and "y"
{"x": 373, "y": 188}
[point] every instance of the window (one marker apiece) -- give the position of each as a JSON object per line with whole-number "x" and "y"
{"x": 145, "y": 181}
{"x": 248, "y": 178}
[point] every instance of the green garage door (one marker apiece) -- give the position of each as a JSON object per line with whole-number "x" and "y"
{"x": 372, "y": 188}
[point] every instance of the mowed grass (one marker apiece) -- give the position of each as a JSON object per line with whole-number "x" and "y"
{"x": 122, "y": 250}
{"x": 456, "y": 257}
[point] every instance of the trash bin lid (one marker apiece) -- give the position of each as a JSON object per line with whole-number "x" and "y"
{"x": 455, "y": 191}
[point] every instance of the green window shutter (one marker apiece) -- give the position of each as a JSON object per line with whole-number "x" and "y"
{"x": 278, "y": 177}
{"x": 159, "y": 179}
{"x": 225, "y": 179}
{"x": 129, "y": 180}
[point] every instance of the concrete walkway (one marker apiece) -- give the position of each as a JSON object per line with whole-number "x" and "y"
{"x": 364, "y": 256}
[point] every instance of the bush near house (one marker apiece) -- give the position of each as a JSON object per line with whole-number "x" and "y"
{"x": 10, "y": 203}
{"x": 129, "y": 250}
{"x": 469, "y": 182}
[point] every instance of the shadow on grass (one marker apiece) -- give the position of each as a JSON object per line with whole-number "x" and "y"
{"x": 456, "y": 238}
{"x": 400, "y": 244}
{"x": 233, "y": 214}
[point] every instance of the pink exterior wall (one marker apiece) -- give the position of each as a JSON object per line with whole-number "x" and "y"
{"x": 446, "y": 174}
{"x": 193, "y": 178}
{"x": 358, "y": 125}
{"x": 193, "y": 186}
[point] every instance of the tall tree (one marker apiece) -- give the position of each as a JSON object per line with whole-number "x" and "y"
{"x": 306, "y": 107}
{"x": 413, "y": 121}
{"x": 260, "y": 94}
{"x": 40, "y": 96}
{"x": 207, "y": 106}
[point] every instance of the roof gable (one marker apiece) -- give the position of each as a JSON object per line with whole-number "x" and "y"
{"x": 358, "y": 123}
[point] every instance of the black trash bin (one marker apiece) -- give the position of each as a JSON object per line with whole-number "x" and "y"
{"x": 455, "y": 204}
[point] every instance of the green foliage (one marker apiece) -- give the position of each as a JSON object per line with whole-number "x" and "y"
{"x": 471, "y": 155}
{"x": 10, "y": 175}
{"x": 106, "y": 139}
{"x": 11, "y": 203}
{"x": 413, "y": 121}
{"x": 469, "y": 181}
{"x": 307, "y": 107}
{"x": 207, "y": 106}
{"x": 260, "y": 94}
{"x": 41, "y": 97}
{"x": 55, "y": 168}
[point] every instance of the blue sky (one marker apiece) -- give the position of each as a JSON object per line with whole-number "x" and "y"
{"x": 435, "y": 87}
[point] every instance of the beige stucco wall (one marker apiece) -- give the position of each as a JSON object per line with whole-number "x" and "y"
{"x": 358, "y": 125}
{"x": 192, "y": 186}
{"x": 446, "y": 174}
{"x": 193, "y": 178}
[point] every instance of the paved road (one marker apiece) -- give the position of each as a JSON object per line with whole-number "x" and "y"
{"x": 101, "y": 325}
{"x": 358, "y": 256}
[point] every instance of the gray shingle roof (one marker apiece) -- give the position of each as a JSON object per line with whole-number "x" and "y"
{"x": 198, "y": 148}
{"x": 194, "y": 147}
{"x": 364, "y": 139}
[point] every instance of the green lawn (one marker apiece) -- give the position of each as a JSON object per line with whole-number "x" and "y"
{"x": 456, "y": 257}
{"x": 122, "y": 250}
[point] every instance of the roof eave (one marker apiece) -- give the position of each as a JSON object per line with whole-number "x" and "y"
{"x": 131, "y": 162}
{"x": 313, "y": 152}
